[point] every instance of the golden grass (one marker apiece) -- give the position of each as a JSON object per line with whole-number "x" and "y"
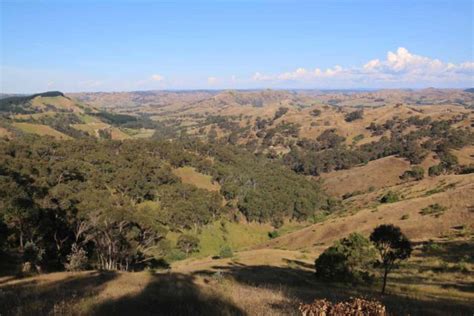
{"x": 257, "y": 282}
{"x": 60, "y": 103}
{"x": 5, "y": 132}
{"x": 191, "y": 176}
{"x": 457, "y": 198}
{"x": 40, "y": 129}
{"x": 376, "y": 174}
{"x": 465, "y": 155}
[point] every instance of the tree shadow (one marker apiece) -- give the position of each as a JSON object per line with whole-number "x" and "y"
{"x": 31, "y": 297}
{"x": 169, "y": 294}
{"x": 299, "y": 263}
{"x": 300, "y": 285}
{"x": 450, "y": 251}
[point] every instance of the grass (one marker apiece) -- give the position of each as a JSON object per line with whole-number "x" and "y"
{"x": 40, "y": 129}
{"x": 191, "y": 176}
{"x": 217, "y": 235}
{"x": 258, "y": 283}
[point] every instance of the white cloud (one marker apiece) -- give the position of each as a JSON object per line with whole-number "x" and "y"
{"x": 400, "y": 67}
{"x": 157, "y": 77}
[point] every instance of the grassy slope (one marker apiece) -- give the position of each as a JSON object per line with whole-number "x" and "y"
{"x": 40, "y": 129}
{"x": 418, "y": 195}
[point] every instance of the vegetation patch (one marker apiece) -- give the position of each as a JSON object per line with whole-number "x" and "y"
{"x": 435, "y": 210}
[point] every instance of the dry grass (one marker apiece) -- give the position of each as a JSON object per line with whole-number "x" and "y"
{"x": 59, "y": 103}
{"x": 191, "y": 176}
{"x": 40, "y": 129}
{"x": 465, "y": 156}
{"x": 376, "y": 174}
{"x": 260, "y": 282}
{"x": 458, "y": 199}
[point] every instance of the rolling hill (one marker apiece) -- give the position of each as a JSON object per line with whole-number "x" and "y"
{"x": 238, "y": 192}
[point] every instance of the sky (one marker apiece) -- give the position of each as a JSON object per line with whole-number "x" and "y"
{"x": 75, "y": 46}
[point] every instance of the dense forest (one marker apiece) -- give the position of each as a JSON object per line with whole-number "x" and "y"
{"x": 71, "y": 204}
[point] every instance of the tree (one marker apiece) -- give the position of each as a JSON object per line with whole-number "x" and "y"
{"x": 392, "y": 246}
{"x": 188, "y": 244}
{"x": 348, "y": 260}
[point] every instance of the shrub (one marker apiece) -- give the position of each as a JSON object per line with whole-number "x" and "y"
{"x": 390, "y": 197}
{"x": 435, "y": 170}
{"x": 188, "y": 244}
{"x": 316, "y": 112}
{"x": 175, "y": 255}
{"x": 273, "y": 234}
{"x": 416, "y": 173}
{"x": 435, "y": 210}
{"x": 356, "y": 115}
{"x": 226, "y": 252}
{"x": 348, "y": 260}
{"x": 404, "y": 217}
{"x": 77, "y": 259}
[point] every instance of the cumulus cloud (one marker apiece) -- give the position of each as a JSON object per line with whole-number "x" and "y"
{"x": 401, "y": 66}
{"x": 157, "y": 77}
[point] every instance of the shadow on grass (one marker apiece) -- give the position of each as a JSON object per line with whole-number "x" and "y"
{"x": 451, "y": 251}
{"x": 35, "y": 298}
{"x": 169, "y": 294}
{"x": 301, "y": 286}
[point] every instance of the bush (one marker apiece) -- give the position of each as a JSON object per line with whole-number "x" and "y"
{"x": 175, "y": 255}
{"x": 435, "y": 210}
{"x": 435, "y": 170}
{"x": 77, "y": 259}
{"x": 356, "y": 115}
{"x": 416, "y": 173}
{"x": 226, "y": 252}
{"x": 390, "y": 197}
{"x": 188, "y": 244}
{"x": 273, "y": 234}
{"x": 404, "y": 217}
{"x": 348, "y": 260}
{"x": 316, "y": 112}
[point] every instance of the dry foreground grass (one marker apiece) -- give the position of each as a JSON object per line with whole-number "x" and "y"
{"x": 257, "y": 282}
{"x": 271, "y": 279}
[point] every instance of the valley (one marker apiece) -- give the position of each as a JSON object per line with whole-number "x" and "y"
{"x": 220, "y": 201}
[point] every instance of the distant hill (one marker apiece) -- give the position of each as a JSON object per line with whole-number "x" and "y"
{"x": 55, "y": 114}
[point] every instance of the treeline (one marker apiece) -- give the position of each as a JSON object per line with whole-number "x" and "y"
{"x": 86, "y": 202}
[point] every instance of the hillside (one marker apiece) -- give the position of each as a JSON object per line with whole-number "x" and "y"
{"x": 219, "y": 202}
{"x": 57, "y": 115}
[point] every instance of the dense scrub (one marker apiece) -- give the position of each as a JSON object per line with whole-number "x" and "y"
{"x": 61, "y": 200}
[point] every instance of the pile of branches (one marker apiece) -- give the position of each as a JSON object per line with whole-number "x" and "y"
{"x": 354, "y": 307}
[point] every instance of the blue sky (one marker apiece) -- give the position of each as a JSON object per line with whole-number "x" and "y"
{"x": 142, "y": 45}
